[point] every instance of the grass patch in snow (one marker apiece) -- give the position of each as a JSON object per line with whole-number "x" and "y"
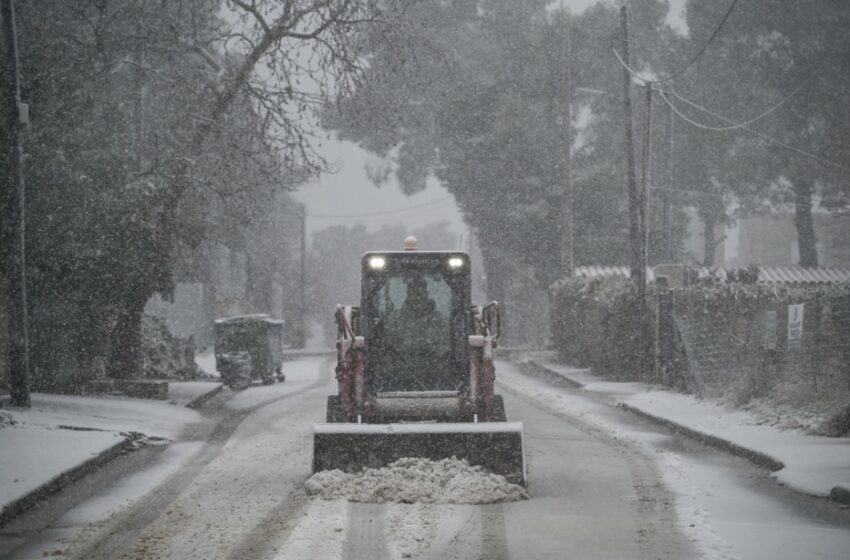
{"x": 797, "y": 405}
{"x": 417, "y": 480}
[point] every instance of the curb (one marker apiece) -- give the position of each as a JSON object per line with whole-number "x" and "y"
{"x": 534, "y": 369}
{"x": 840, "y": 494}
{"x": 58, "y": 483}
{"x": 199, "y": 401}
{"x": 757, "y": 457}
{"x": 55, "y": 485}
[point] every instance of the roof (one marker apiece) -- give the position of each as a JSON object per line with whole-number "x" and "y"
{"x": 609, "y": 271}
{"x": 767, "y": 274}
{"x": 800, "y": 275}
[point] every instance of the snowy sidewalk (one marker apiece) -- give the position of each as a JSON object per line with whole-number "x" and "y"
{"x": 814, "y": 465}
{"x": 61, "y": 437}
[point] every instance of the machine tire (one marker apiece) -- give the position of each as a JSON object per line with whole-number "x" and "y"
{"x": 268, "y": 380}
{"x": 499, "y": 409}
{"x": 335, "y": 413}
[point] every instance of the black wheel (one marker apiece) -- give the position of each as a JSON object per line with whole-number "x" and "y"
{"x": 499, "y": 409}
{"x": 268, "y": 380}
{"x": 335, "y": 412}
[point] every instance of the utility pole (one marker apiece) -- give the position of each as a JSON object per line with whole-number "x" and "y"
{"x": 635, "y": 233}
{"x": 565, "y": 133}
{"x": 14, "y": 201}
{"x": 302, "y": 311}
{"x": 668, "y": 198}
{"x": 645, "y": 188}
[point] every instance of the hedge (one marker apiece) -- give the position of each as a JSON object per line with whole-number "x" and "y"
{"x": 599, "y": 323}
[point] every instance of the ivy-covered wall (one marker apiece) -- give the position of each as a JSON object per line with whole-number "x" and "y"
{"x": 732, "y": 341}
{"x": 599, "y": 323}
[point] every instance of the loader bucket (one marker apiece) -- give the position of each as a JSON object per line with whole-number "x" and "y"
{"x": 496, "y": 446}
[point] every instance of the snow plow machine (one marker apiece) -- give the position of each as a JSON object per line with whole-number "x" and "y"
{"x": 415, "y": 371}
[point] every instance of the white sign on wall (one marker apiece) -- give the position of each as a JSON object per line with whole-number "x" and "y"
{"x": 795, "y": 325}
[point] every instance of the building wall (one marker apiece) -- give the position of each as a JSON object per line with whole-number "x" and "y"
{"x": 695, "y": 241}
{"x": 771, "y": 240}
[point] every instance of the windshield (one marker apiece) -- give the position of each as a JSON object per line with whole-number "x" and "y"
{"x": 413, "y": 332}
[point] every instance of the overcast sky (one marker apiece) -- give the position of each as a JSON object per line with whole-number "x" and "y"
{"x": 348, "y": 196}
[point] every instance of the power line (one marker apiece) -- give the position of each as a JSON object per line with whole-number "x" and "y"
{"x": 699, "y": 53}
{"x": 704, "y": 47}
{"x": 736, "y": 125}
{"x": 439, "y": 201}
{"x": 750, "y": 130}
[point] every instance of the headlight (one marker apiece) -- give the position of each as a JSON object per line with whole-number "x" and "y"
{"x": 377, "y": 263}
{"x": 455, "y": 262}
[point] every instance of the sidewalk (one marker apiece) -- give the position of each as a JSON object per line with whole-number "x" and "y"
{"x": 61, "y": 438}
{"x": 813, "y": 465}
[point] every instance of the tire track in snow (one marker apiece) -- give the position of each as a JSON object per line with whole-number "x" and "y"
{"x": 365, "y": 536}
{"x": 125, "y": 529}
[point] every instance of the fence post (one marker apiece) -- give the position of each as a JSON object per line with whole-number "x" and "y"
{"x": 816, "y": 335}
{"x": 844, "y": 328}
{"x": 663, "y": 331}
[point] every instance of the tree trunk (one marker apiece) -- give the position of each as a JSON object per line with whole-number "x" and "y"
{"x": 803, "y": 220}
{"x": 12, "y": 238}
{"x": 709, "y": 243}
{"x": 125, "y": 359}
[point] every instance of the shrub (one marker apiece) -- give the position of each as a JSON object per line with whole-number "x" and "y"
{"x": 599, "y": 323}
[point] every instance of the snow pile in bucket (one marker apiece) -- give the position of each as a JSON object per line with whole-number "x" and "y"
{"x": 409, "y": 480}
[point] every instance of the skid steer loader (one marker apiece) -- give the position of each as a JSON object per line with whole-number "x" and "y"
{"x": 415, "y": 371}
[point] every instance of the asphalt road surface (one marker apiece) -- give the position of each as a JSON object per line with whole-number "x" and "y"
{"x": 238, "y": 493}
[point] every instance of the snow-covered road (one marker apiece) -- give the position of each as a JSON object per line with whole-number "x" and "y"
{"x": 602, "y": 483}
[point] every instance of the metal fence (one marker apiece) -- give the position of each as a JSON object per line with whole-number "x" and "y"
{"x": 805, "y": 340}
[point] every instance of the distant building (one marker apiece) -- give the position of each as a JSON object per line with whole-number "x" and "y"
{"x": 770, "y": 239}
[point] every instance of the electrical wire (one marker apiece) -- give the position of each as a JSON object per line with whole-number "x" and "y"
{"x": 748, "y": 129}
{"x": 736, "y": 125}
{"x": 439, "y": 201}
{"x": 699, "y": 53}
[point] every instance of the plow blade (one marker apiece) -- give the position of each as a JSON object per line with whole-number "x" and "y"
{"x": 496, "y": 446}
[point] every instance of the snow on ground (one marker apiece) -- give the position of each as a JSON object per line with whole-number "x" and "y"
{"x": 318, "y": 533}
{"x": 413, "y": 480}
{"x": 316, "y": 338}
{"x": 60, "y": 432}
{"x": 32, "y": 455}
{"x": 744, "y": 520}
{"x": 723, "y": 517}
{"x": 206, "y": 362}
{"x": 695, "y": 520}
{"x": 113, "y": 414}
{"x": 299, "y": 374}
{"x": 128, "y": 489}
{"x": 813, "y": 464}
{"x": 181, "y": 393}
